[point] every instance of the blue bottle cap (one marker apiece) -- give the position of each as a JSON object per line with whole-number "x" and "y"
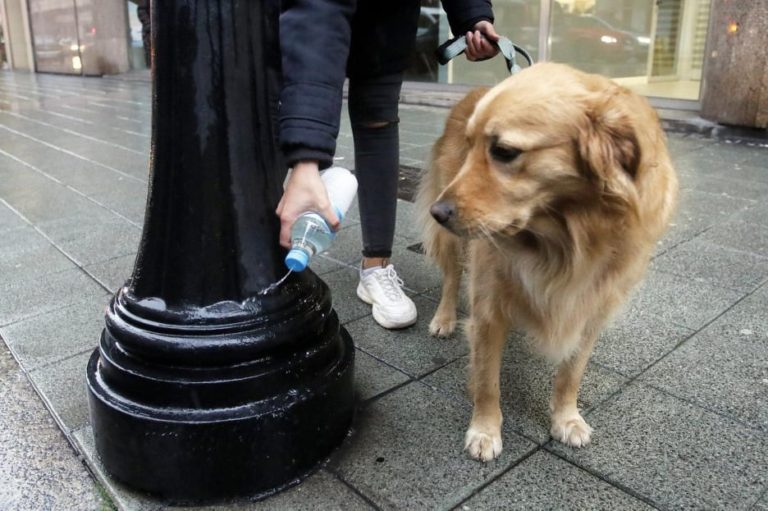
{"x": 297, "y": 259}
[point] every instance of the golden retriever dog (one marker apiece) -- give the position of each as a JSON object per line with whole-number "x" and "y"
{"x": 551, "y": 189}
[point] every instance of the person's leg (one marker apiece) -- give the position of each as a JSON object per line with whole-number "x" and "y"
{"x": 373, "y": 105}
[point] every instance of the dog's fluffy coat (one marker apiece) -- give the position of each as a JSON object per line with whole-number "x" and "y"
{"x": 553, "y": 188}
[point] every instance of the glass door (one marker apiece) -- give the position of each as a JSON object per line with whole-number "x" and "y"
{"x": 4, "y": 49}
{"x": 56, "y": 44}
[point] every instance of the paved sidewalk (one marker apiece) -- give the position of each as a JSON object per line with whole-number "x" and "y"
{"x": 677, "y": 389}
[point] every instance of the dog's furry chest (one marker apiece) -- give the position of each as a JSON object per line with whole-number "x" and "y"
{"x": 541, "y": 296}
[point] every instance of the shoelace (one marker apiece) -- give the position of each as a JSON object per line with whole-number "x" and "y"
{"x": 390, "y": 282}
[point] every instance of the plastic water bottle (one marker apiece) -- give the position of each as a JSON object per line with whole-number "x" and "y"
{"x": 310, "y": 233}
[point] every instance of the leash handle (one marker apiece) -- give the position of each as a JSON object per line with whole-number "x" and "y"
{"x": 456, "y": 46}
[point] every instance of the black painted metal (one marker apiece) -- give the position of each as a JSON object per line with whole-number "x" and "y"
{"x": 202, "y": 388}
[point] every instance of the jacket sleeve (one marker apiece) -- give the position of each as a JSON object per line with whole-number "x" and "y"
{"x": 314, "y": 42}
{"x": 463, "y": 14}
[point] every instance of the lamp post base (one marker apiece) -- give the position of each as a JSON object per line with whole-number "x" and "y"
{"x": 205, "y": 432}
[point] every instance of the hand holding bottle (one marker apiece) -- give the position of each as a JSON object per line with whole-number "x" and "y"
{"x": 304, "y": 191}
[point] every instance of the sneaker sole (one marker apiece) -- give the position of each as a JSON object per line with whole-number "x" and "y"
{"x": 377, "y": 316}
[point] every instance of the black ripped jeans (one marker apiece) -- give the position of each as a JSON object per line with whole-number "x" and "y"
{"x": 373, "y": 108}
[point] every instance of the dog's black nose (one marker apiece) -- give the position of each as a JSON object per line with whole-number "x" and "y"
{"x": 443, "y": 211}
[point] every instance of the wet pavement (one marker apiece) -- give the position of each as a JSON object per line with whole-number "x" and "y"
{"x": 677, "y": 389}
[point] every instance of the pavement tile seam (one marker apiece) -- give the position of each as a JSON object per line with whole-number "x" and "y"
{"x": 74, "y": 154}
{"x": 368, "y": 500}
{"x": 763, "y": 496}
{"x": 477, "y": 489}
{"x": 75, "y": 133}
{"x": 415, "y": 377}
{"x": 102, "y": 479}
{"x": 754, "y": 429}
{"x": 619, "y": 486}
{"x": 34, "y": 316}
{"x": 34, "y": 368}
{"x": 638, "y": 377}
{"x": 66, "y": 254}
{"x": 69, "y": 187}
{"x": 388, "y": 364}
{"x": 66, "y": 432}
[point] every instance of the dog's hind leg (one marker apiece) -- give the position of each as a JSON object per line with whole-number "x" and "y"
{"x": 568, "y": 426}
{"x": 448, "y": 255}
{"x": 487, "y": 336}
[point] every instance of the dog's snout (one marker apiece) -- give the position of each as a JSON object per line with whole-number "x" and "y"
{"x": 443, "y": 211}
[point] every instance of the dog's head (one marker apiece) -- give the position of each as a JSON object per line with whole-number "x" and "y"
{"x": 547, "y": 140}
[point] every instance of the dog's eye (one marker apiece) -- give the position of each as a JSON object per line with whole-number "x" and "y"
{"x": 503, "y": 154}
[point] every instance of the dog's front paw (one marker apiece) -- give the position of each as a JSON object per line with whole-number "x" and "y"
{"x": 571, "y": 429}
{"x": 482, "y": 446}
{"x": 442, "y": 325}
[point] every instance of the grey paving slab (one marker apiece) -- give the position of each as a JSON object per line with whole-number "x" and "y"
{"x": 755, "y": 214}
{"x": 673, "y": 453}
{"x": 759, "y": 157}
{"x": 743, "y": 236}
{"x": 62, "y": 386}
{"x": 19, "y": 300}
{"x": 699, "y": 210}
{"x": 125, "y": 498}
{"x": 747, "y": 171}
{"x": 343, "y": 285}
{"x": 680, "y": 300}
{"x": 347, "y": 246}
{"x": 636, "y": 340}
{"x": 57, "y": 335}
{"x": 9, "y": 220}
{"x": 321, "y": 491}
{"x": 113, "y": 273}
{"x": 85, "y": 176}
{"x": 41, "y": 200}
{"x": 107, "y": 153}
{"x": 726, "y": 187}
{"x": 406, "y": 452}
{"x": 544, "y": 481}
{"x": 406, "y": 225}
{"x": 96, "y": 238}
{"x": 724, "y": 154}
{"x": 127, "y": 197}
{"x": 129, "y": 140}
{"x": 526, "y": 388}
{"x": 715, "y": 265}
{"x": 418, "y": 272}
{"x": 411, "y": 350}
{"x": 762, "y": 504}
{"x": 373, "y": 377}
{"x": 38, "y": 468}
{"x": 323, "y": 264}
{"x": 725, "y": 367}
{"x": 679, "y": 144}
{"x": 26, "y": 254}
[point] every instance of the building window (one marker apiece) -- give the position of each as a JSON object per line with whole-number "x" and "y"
{"x": 653, "y": 47}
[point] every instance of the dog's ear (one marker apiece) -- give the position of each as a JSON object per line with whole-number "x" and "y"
{"x": 607, "y": 144}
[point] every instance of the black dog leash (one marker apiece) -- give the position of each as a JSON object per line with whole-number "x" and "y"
{"x": 456, "y": 46}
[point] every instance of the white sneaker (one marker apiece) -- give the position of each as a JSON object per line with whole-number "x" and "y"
{"x": 382, "y": 289}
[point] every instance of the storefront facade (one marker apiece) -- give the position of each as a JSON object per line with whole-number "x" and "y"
{"x": 662, "y": 49}
{"x": 653, "y": 47}
{"x": 79, "y": 37}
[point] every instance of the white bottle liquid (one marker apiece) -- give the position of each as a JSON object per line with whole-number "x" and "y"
{"x": 310, "y": 233}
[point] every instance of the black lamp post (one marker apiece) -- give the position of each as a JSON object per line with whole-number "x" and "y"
{"x": 202, "y": 388}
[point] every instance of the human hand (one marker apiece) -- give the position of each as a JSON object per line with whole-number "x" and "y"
{"x": 304, "y": 191}
{"x": 480, "y": 42}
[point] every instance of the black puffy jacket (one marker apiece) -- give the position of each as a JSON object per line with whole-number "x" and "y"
{"x": 315, "y": 40}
